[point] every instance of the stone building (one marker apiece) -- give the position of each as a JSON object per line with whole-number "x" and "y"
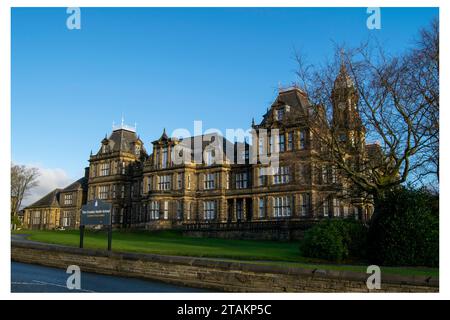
{"x": 58, "y": 209}
{"x": 209, "y": 180}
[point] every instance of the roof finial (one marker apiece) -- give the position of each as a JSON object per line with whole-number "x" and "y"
{"x": 122, "y": 120}
{"x": 342, "y": 58}
{"x": 113, "y": 125}
{"x": 253, "y": 121}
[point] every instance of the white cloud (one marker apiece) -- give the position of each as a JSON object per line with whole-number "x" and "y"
{"x": 49, "y": 179}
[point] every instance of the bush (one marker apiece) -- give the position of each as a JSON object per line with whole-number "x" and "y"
{"x": 405, "y": 231}
{"x": 15, "y": 222}
{"x": 335, "y": 240}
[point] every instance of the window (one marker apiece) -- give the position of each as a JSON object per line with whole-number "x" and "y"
{"x": 261, "y": 146}
{"x": 36, "y": 217}
{"x": 124, "y": 167}
{"x": 271, "y": 144}
{"x": 188, "y": 211}
{"x": 209, "y": 182}
{"x": 113, "y": 193}
{"x": 137, "y": 149}
{"x": 209, "y": 210}
{"x": 302, "y": 139}
{"x": 164, "y": 182}
{"x": 209, "y": 157}
{"x": 345, "y": 211}
{"x": 241, "y": 180}
{"x": 180, "y": 180}
{"x": 325, "y": 207}
{"x": 164, "y": 158}
{"x": 157, "y": 158}
{"x": 104, "y": 169}
{"x": 166, "y": 209}
{"x": 306, "y": 201}
{"x": 325, "y": 179}
{"x": 189, "y": 181}
{"x": 281, "y": 142}
{"x": 290, "y": 141}
{"x": 66, "y": 220}
{"x": 261, "y": 208}
{"x": 239, "y": 210}
{"x": 154, "y": 210}
{"x": 280, "y": 114}
{"x": 333, "y": 174}
{"x": 336, "y": 207}
{"x": 68, "y": 199}
{"x": 281, "y": 175}
{"x": 261, "y": 176}
{"x": 122, "y": 192}
{"x": 179, "y": 211}
{"x": 281, "y": 206}
{"x": 103, "y": 192}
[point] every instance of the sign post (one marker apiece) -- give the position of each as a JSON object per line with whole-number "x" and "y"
{"x": 96, "y": 212}
{"x": 81, "y": 235}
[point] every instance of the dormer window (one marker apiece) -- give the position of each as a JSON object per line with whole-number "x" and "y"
{"x": 137, "y": 149}
{"x": 209, "y": 157}
{"x": 280, "y": 114}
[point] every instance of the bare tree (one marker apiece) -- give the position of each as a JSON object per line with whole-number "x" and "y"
{"x": 23, "y": 179}
{"x": 391, "y": 100}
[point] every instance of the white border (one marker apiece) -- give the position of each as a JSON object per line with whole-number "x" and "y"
{"x": 5, "y": 157}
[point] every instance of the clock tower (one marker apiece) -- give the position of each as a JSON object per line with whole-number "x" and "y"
{"x": 347, "y": 123}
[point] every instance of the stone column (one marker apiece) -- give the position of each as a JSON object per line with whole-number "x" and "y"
{"x": 234, "y": 210}
{"x": 255, "y": 208}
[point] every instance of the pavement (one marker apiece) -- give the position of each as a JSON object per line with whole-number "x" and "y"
{"x": 34, "y": 278}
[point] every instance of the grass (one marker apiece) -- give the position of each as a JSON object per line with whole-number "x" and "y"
{"x": 173, "y": 243}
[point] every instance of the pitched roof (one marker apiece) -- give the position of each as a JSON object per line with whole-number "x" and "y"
{"x": 79, "y": 184}
{"x": 198, "y": 144}
{"x": 49, "y": 200}
{"x": 292, "y": 97}
{"x": 122, "y": 140}
{"x": 343, "y": 80}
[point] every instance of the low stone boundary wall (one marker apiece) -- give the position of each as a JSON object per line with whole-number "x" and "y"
{"x": 213, "y": 274}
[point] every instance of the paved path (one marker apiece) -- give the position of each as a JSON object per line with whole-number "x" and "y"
{"x": 34, "y": 278}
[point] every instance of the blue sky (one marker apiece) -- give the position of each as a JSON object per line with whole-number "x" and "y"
{"x": 165, "y": 67}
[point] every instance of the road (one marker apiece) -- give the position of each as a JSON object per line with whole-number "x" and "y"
{"x": 35, "y": 278}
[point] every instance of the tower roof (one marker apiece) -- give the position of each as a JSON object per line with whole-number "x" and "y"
{"x": 343, "y": 80}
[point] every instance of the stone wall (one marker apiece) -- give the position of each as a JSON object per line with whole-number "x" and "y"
{"x": 213, "y": 274}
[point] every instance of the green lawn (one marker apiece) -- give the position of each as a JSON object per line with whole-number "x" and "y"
{"x": 173, "y": 243}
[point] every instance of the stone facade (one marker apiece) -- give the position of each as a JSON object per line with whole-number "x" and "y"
{"x": 208, "y": 179}
{"x": 58, "y": 209}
